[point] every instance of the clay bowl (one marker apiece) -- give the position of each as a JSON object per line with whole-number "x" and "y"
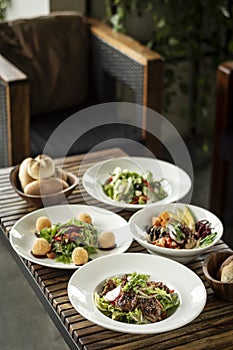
{"x": 42, "y": 201}
{"x": 211, "y": 268}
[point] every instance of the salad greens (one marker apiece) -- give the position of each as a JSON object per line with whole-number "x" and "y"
{"x": 133, "y": 188}
{"x": 134, "y": 298}
{"x": 180, "y": 230}
{"x": 64, "y": 238}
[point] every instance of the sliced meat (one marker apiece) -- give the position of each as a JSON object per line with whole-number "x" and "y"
{"x": 127, "y": 301}
{"x": 151, "y": 309}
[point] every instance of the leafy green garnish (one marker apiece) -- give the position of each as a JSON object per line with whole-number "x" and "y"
{"x": 135, "y": 280}
{"x": 49, "y": 232}
{"x": 208, "y": 239}
{"x": 137, "y": 286}
{"x": 86, "y": 236}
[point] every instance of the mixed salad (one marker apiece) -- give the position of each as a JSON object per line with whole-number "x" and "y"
{"x": 179, "y": 231}
{"x": 64, "y": 238}
{"x": 133, "y": 188}
{"x": 134, "y": 298}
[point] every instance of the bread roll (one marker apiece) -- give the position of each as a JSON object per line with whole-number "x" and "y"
{"x": 45, "y": 186}
{"x": 62, "y": 174}
{"x": 24, "y": 177}
{"x": 226, "y": 270}
{"x": 41, "y": 167}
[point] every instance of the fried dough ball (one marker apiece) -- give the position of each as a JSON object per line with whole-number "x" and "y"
{"x": 85, "y": 218}
{"x": 106, "y": 240}
{"x": 42, "y": 222}
{"x": 79, "y": 256}
{"x": 40, "y": 247}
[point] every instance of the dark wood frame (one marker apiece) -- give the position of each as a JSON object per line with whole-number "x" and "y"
{"x": 224, "y": 113}
{"x": 14, "y": 83}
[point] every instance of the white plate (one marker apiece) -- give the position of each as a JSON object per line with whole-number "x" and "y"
{"x": 22, "y": 234}
{"x": 185, "y": 282}
{"x": 142, "y": 218}
{"x": 178, "y": 181}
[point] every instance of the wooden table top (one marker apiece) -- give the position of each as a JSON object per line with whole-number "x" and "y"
{"x": 212, "y": 329}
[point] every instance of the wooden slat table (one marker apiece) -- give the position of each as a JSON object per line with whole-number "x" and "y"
{"x": 212, "y": 329}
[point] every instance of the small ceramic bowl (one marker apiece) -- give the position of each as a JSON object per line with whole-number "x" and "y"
{"x": 42, "y": 201}
{"x": 211, "y": 268}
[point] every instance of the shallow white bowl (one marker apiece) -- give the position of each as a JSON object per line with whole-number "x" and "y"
{"x": 177, "y": 182}
{"x": 140, "y": 219}
{"x": 85, "y": 281}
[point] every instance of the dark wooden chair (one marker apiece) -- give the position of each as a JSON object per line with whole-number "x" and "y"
{"x": 35, "y": 99}
{"x": 223, "y": 138}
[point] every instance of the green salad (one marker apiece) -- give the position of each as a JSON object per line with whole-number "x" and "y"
{"x": 133, "y": 188}
{"x": 64, "y": 238}
{"x": 134, "y": 298}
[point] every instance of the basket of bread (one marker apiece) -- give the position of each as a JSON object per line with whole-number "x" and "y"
{"x": 41, "y": 183}
{"x": 218, "y": 271}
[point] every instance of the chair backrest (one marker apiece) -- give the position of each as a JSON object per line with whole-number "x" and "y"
{"x": 53, "y": 52}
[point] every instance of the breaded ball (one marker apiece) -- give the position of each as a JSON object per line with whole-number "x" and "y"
{"x": 79, "y": 256}
{"x": 85, "y": 218}
{"x": 40, "y": 247}
{"x": 42, "y": 222}
{"x": 106, "y": 240}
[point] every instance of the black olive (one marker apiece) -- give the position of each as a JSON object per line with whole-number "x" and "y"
{"x": 157, "y": 232}
{"x": 148, "y": 228}
{"x": 138, "y": 187}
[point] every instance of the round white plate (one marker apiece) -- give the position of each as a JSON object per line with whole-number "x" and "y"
{"x": 177, "y": 182}
{"x": 22, "y": 233}
{"x": 186, "y": 283}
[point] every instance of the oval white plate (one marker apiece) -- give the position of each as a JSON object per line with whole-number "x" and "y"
{"x": 186, "y": 283}
{"x": 178, "y": 181}
{"x": 140, "y": 219}
{"x": 22, "y": 233}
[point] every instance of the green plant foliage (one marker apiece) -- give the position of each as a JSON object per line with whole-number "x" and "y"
{"x": 3, "y": 7}
{"x": 200, "y": 32}
{"x": 181, "y": 28}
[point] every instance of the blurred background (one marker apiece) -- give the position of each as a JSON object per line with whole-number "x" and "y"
{"x": 194, "y": 38}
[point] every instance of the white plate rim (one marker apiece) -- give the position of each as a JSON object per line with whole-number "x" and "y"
{"x": 173, "y": 322}
{"x": 104, "y": 199}
{"x": 70, "y": 207}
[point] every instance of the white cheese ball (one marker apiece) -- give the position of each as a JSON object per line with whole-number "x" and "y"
{"x": 79, "y": 256}
{"x": 106, "y": 240}
{"x": 40, "y": 247}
